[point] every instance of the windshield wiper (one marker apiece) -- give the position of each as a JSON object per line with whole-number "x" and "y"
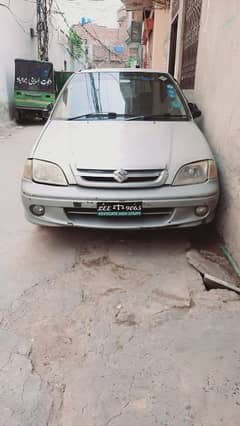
{"x": 157, "y": 116}
{"x": 114, "y": 116}
{"x": 108, "y": 115}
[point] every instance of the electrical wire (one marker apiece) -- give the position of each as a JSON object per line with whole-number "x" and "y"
{"x": 95, "y": 37}
{"x": 16, "y": 18}
{"x": 25, "y": 21}
{"x": 88, "y": 32}
{"x": 59, "y": 27}
{"x": 101, "y": 43}
{"x": 62, "y": 14}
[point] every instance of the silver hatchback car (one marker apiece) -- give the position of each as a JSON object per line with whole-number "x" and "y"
{"x": 121, "y": 150}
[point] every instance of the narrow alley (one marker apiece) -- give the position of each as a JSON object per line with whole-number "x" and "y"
{"x": 108, "y": 328}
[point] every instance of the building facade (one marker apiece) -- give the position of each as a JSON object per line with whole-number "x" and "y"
{"x": 148, "y": 32}
{"x": 105, "y": 47}
{"x": 16, "y": 22}
{"x": 59, "y": 50}
{"x": 204, "y": 56}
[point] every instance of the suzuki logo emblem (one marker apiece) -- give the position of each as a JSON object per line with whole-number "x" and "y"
{"x": 120, "y": 175}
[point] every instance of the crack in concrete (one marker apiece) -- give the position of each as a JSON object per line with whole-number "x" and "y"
{"x": 8, "y": 361}
{"x": 102, "y": 343}
{"x": 12, "y": 414}
{"x": 50, "y": 414}
{"x": 42, "y": 282}
{"x": 36, "y": 373}
{"x": 117, "y": 415}
{"x": 14, "y": 354}
{"x": 63, "y": 390}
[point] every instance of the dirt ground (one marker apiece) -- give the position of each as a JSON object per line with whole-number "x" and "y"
{"x": 109, "y": 328}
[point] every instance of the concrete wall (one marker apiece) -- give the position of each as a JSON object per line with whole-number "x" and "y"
{"x": 161, "y": 27}
{"x": 58, "y": 45}
{"x": 59, "y": 48}
{"x": 15, "y": 42}
{"x": 217, "y": 91}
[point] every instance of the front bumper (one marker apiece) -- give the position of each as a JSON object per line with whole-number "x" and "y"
{"x": 176, "y": 205}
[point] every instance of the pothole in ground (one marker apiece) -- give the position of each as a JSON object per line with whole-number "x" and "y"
{"x": 214, "y": 271}
{"x": 210, "y": 246}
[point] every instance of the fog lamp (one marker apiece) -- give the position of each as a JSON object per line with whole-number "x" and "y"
{"x": 37, "y": 210}
{"x": 201, "y": 211}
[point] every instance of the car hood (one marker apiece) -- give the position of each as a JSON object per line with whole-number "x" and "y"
{"x": 122, "y": 144}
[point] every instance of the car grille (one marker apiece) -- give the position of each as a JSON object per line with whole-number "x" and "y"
{"x": 134, "y": 178}
{"x": 77, "y": 212}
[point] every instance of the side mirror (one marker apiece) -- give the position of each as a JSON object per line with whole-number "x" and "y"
{"x": 47, "y": 111}
{"x": 194, "y": 110}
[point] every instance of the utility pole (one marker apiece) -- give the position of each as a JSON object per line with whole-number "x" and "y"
{"x": 42, "y": 29}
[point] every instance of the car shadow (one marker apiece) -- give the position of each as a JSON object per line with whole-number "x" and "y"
{"x": 199, "y": 238}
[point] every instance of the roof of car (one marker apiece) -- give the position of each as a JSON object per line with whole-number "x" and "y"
{"x": 123, "y": 70}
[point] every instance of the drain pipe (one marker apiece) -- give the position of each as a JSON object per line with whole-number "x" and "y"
{"x": 232, "y": 262}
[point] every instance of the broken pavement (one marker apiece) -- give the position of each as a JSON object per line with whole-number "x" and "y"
{"x": 101, "y": 328}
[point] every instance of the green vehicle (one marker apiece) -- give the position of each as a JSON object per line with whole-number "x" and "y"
{"x": 36, "y": 88}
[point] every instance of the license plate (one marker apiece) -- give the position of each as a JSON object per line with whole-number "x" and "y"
{"x": 119, "y": 209}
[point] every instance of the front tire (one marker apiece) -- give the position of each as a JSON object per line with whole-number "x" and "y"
{"x": 18, "y": 116}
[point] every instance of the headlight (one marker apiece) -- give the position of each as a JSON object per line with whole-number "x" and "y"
{"x": 198, "y": 172}
{"x": 48, "y": 173}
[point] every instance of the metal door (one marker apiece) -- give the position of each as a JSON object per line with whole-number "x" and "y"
{"x": 190, "y": 42}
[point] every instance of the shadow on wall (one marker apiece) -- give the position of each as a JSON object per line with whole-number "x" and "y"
{"x": 223, "y": 201}
{"x": 10, "y": 96}
{"x": 4, "y": 112}
{"x": 7, "y": 100}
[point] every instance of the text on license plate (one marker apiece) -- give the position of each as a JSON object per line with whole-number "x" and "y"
{"x": 119, "y": 209}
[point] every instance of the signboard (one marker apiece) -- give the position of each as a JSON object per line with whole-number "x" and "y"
{"x": 136, "y": 32}
{"x": 34, "y": 75}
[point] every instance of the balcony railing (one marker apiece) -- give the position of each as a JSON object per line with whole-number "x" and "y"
{"x": 136, "y": 4}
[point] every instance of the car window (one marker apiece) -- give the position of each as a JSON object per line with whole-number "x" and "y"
{"x": 122, "y": 93}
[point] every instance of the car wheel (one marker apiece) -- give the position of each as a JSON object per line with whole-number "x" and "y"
{"x": 18, "y": 117}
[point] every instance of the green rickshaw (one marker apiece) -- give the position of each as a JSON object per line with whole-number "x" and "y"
{"x": 36, "y": 88}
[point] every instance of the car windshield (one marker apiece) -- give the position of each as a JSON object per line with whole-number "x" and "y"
{"x": 120, "y": 96}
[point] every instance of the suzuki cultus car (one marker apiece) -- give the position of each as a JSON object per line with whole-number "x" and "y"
{"x": 121, "y": 150}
